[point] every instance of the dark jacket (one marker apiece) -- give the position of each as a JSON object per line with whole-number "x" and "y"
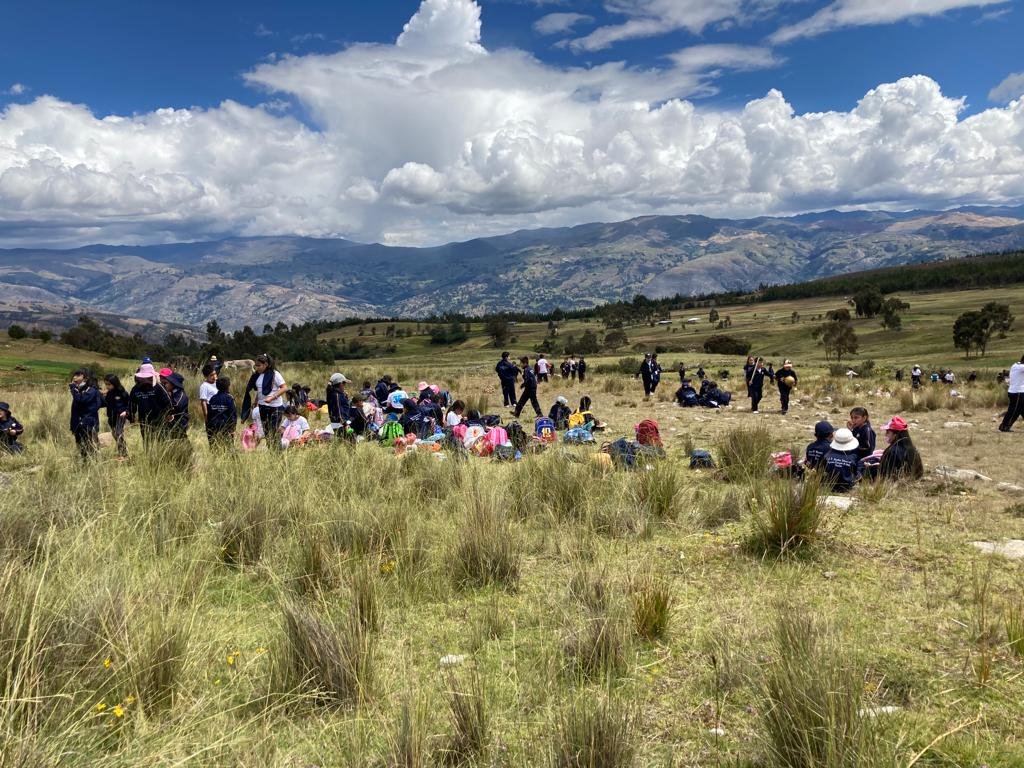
{"x": 783, "y": 373}
{"x": 221, "y": 412}
{"x": 381, "y": 391}
{"x": 559, "y": 414}
{"x": 116, "y": 404}
{"x": 8, "y": 440}
{"x": 865, "y": 438}
{"x": 581, "y": 367}
{"x": 756, "y": 377}
{"x": 841, "y": 469}
{"x": 646, "y": 371}
{"x": 178, "y": 424}
{"x": 507, "y": 370}
{"x": 85, "y": 408}
{"x": 529, "y": 381}
{"x": 338, "y": 406}
{"x": 899, "y": 460}
{"x": 815, "y": 453}
{"x": 148, "y": 404}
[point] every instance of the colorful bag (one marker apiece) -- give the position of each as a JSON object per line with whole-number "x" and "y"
{"x": 497, "y": 436}
{"x": 647, "y": 433}
{"x": 517, "y": 436}
{"x": 544, "y": 429}
{"x": 390, "y": 431}
{"x": 578, "y": 436}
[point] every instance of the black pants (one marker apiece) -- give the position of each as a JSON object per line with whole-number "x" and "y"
{"x": 784, "y": 398}
{"x": 582, "y": 376}
{"x": 755, "y": 398}
{"x": 508, "y": 392}
{"x": 1013, "y": 411}
{"x": 271, "y": 420}
{"x": 542, "y": 377}
{"x": 88, "y": 441}
{"x": 654, "y": 385}
{"x": 647, "y": 387}
{"x": 531, "y": 396}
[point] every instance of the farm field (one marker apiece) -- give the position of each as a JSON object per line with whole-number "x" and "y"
{"x": 343, "y": 606}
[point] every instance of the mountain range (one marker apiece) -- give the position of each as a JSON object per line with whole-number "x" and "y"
{"x": 253, "y": 281}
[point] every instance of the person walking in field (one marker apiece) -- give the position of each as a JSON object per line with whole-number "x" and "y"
{"x": 529, "y": 389}
{"x": 86, "y": 402}
{"x": 543, "y": 368}
{"x": 178, "y": 416}
{"x": 507, "y": 372}
{"x": 655, "y": 373}
{"x": 116, "y": 401}
{"x": 207, "y": 389}
{"x": 580, "y": 369}
{"x": 646, "y": 374}
{"x": 565, "y": 369}
{"x": 786, "y": 378}
{"x": 755, "y": 384}
{"x": 10, "y": 430}
{"x": 1015, "y": 392}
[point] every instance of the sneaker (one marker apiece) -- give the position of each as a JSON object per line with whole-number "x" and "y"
{"x": 755, "y": 411}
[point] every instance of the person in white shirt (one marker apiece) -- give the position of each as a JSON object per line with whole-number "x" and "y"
{"x": 270, "y": 387}
{"x": 207, "y": 389}
{"x": 293, "y": 426}
{"x": 543, "y": 367}
{"x": 1015, "y": 390}
{"x": 454, "y": 416}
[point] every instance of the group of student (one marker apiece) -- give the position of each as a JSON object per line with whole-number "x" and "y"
{"x": 846, "y": 455}
{"x": 757, "y": 371}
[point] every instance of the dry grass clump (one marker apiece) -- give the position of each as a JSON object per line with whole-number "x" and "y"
{"x": 1015, "y": 628}
{"x": 590, "y": 587}
{"x": 652, "y": 607}
{"x": 659, "y": 490}
{"x": 408, "y": 746}
{"x": 787, "y": 517}
{"x": 601, "y": 648}
{"x": 744, "y": 453}
{"x": 243, "y": 536}
{"x": 595, "y": 732}
{"x": 486, "y": 549}
{"x": 316, "y": 569}
{"x": 470, "y": 722}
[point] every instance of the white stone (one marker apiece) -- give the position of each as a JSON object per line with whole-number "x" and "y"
{"x": 876, "y": 711}
{"x": 957, "y": 424}
{"x": 1009, "y": 487}
{"x": 1012, "y": 549}
{"x": 451, "y": 660}
{"x": 717, "y": 731}
{"x": 838, "y": 502}
{"x": 952, "y": 473}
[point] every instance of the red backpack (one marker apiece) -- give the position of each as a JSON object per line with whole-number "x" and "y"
{"x": 647, "y": 433}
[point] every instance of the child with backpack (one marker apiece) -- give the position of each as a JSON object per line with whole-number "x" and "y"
{"x": 221, "y": 415}
{"x": 559, "y": 413}
{"x": 115, "y": 399}
{"x": 10, "y": 430}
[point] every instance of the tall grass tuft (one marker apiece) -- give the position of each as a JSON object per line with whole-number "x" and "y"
{"x": 243, "y": 536}
{"x": 363, "y": 586}
{"x": 470, "y": 722}
{"x": 326, "y": 661}
{"x": 787, "y": 518}
{"x": 316, "y": 570}
{"x": 659, "y": 490}
{"x": 408, "y": 747}
{"x": 811, "y": 713}
{"x": 744, "y": 453}
{"x": 595, "y": 732}
{"x": 600, "y": 649}
{"x": 1015, "y": 628}
{"x": 486, "y": 550}
{"x": 589, "y": 586}
{"x": 157, "y": 660}
{"x": 652, "y": 607}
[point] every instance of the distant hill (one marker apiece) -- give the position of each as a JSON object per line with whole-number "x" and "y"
{"x": 253, "y": 281}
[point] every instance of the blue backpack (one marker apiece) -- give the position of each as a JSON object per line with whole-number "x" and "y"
{"x": 578, "y": 436}
{"x": 701, "y": 460}
{"x": 544, "y": 429}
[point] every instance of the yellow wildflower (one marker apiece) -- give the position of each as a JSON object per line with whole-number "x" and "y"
{"x": 129, "y": 700}
{"x": 232, "y": 656}
{"x": 100, "y": 706}
{"x": 118, "y": 711}
{"x": 108, "y": 663}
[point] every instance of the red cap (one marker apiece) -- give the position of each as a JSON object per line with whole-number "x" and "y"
{"x": 165, "y": 372}
{"x": 896, "y": 424}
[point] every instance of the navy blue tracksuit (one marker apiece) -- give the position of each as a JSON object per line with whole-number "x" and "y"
{"x": 784, "y": 390}
{"x": 507, "y": 372}
{"x": 86, "y": 402}
{"x": 148, "y": 406}
{"x": 755, "y": 386}
{"x": 221, "y": 418}
{"x": 529, "y": 393}
{"x": 841, "y": 469}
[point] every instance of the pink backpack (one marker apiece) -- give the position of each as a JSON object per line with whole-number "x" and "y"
{"x": 497, "y": 436}
{"x": 459, "y": 432}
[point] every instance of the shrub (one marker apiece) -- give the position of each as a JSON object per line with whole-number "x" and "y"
{"x": 721, "y": 344}
{"x": 17, "y": 332}
{"x": 243, "y": 536}
{"x": 744, "y": 453}
{"x": 790, "y": 517}
{"x": 486, "y": 550}
{"x": 595, "y": 732}
{"x": 652, "y": 607}
{"x": 600, "y": 649}
{"x": 811, "y": 711}
{"x": 470, "y": 723}
{"x": 659, "y": 490}
{"x": 328, "y": 662}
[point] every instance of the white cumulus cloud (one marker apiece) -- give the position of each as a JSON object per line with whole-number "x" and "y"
{"x": 853, "y": 13}
{"x": 17, "y": 89}
{"x": 557, "y": 23}
{"x": 435, "y": 138}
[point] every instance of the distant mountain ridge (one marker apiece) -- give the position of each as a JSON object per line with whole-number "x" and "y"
{"x": 253, "y": 281}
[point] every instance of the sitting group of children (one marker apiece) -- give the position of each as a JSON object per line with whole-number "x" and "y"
{"x": 709, "y": 396}
{"x": 843, "y": 456}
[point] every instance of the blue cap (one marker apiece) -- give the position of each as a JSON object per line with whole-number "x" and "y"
{"x": 823, "y": 429}
{"x": 147, "y": 360}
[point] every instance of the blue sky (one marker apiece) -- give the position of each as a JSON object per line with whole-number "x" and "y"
{"x": 393, "y": 147}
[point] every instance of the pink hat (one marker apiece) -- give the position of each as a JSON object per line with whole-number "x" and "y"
{"x": 435, "y": 389}
{"x": 146, "y": 371}
{"x": 896, "y": 424}
{"x": 421, "y": 386}
{"x": 165, "y": 372}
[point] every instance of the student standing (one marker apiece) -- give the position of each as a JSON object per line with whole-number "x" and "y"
{"x": 207, "y": 389}
{"x": 222, "y": 415}
{"x": 565, "y": 369}
{"x": 786, "y": 378}
{"x": 178, "y": 416}
{"x": 529, "y": 389}
{"x": 543, "y": 368}
{"x": 1015, "y": 391}
{"x": 269, "y": 386}
{"x": 116, "y": 402}
{"x": 10, "y": 430}
{"x": 86, "y": 402}
{"x": 148, "y": 404}
{"x": 755, "y": 384}
{"x": 646, "y": 374}
{"x": 581, "y": 369}
{"x": 655, "y": 373}
{"x": 507, "y": 372}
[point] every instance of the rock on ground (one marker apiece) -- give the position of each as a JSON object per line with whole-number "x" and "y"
{"x": 1012, "y": 549}
{"x": 951, "y": 473}
{"x": 957, "y": 424}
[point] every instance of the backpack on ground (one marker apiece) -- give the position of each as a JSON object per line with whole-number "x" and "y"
{"x": 497, "y": 436}
{"x": 722, "y": 397}
{"x": 576, "y": 419}
{"x": 544, "y": 429}
{"x": 623, "y": 453}
{"x": 578, "y": 436}
{"x": 426, "y": 427}
{"x": 504, "y": 453}
{"x": 390, "y": 431}
{"x": 700, "y": 459}
{"x": 517, "y": 436}
{"x": 492, "y": 420}
{"x": 473, "y": 433}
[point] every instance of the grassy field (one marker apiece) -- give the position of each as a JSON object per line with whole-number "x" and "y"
{"x": 339, "y": 606}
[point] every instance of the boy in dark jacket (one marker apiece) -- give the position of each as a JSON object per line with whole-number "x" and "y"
{"x": 783, "y": 379}
{"x": 86, "y": 402}
{"x": 178, "y": 417}
{"x": 507, "y": 375}
{"x": 815, "y": 453}
{"x": 860, "y": 426}
{"x": 559, "y": 413}
{"x": 755, "y": 384}
{"x": 116, "y": 401}
{"x": 10, "y": 430}
{"x": 221, "y": 415}
{"x": 338, "y": 405}
{"x": 529, "y": 389}
{"x": 581, "y": 369}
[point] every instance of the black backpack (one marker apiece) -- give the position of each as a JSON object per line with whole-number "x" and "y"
{"x": 517, "y": 436}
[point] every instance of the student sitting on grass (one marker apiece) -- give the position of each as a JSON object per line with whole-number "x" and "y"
{"x": 860, "y": 426}
{"x": 293, "y": 426}
{"x": 221, "y": 415}
{"x": 583, "y": 415}
{"x": 10, "y": 430}
{"x": 900, "y": 458}
{"x": 454, "y": 416}
{"x": 559, "y": 413}
{"x": 841, "y": 465}
{"x": 815, "y": 453}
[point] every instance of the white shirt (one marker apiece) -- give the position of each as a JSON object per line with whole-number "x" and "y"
{"x": 452, "y": 419}
{"x": 298, "y": 421}
{"x": 207, "y": 391}
{"x": 1016, "y": 380}
{"x": 277, "y": 402}
{"x": 542, "y": 366}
